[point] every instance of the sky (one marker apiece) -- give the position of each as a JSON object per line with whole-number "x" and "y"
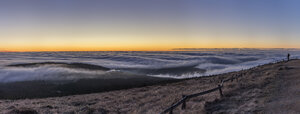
{"x": 147, "y": 25}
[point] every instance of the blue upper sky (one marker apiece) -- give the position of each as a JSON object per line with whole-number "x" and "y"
{"x": 142, "y": 24}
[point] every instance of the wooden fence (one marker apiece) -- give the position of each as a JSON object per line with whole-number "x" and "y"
{"x": 184, "y": 98}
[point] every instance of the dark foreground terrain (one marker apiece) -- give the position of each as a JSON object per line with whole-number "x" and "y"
{"x": 42, "y": 89}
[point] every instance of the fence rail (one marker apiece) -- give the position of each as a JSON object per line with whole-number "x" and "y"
{"x": 184, "y": 98}
{"x": 220, "y": 86}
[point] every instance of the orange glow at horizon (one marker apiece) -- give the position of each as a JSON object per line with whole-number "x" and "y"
{"x": 131, "y": 41}
{"x": 158, "y": 47}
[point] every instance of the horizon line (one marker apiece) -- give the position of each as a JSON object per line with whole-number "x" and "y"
{"x": 173, "y": 49}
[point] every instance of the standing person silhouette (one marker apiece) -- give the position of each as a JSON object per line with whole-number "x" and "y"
{"x": 288, "y": 56}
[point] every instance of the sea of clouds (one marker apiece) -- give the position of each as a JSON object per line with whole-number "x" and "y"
{"x": 173, "y": 64}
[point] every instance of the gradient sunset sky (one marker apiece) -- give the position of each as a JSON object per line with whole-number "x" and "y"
{"x": 137, "y": 25}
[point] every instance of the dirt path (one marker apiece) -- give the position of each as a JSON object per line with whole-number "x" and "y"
{"x": 270, "y": 89}
{"x": 286, "y": 99}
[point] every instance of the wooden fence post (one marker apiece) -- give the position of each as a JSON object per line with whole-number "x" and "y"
{"x": 171, "y": 111}
{"x": 184, "y": 103}
{"x": 220, "y": 90}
